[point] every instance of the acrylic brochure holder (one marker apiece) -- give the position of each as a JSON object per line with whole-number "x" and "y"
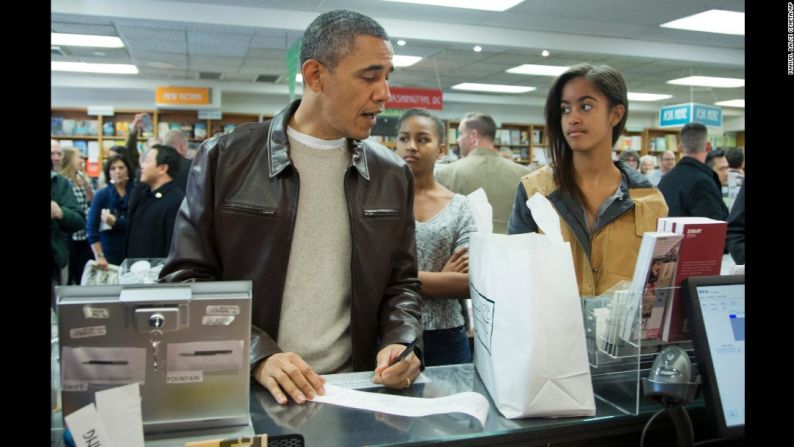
{"x": 622, "y": 342}
{"x": 185, "y": 344}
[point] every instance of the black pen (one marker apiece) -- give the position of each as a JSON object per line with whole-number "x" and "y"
{"x": 408, "y": 350}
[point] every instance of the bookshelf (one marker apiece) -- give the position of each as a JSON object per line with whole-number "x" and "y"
{"x": 75, "y": 125}
{"x": 656, "y": 141}
{"x": 233, "y": 120}
{"x": 629, "y": 141}
{"x": 516, "y": 137}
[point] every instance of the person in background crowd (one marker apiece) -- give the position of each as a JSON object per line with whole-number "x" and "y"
{"x": 667, "y": 162}
{"x": 106, "y": 226}
{"x": 692, "y": 188}
{"x": 735, "y": 157}
{"x": 443, "y": 223}
{"x": 604, "y": 206}
{"x": 736, "y": 224}
{"x": 65, "y": 218}
{"x": 716, "y": 161}
{"x": 192, "y": 148}
{"x": 631, "y": 159}
{"x": 121, "y": 151}
{"x": 482, "y": 167}
{"x": 56, "y": 155}
{"x": 79, "y": 250}
{"x": 332, "y": 251}
{"x": 178, "y": 140}
{"x": 152, "y": 211}
{"x": 648, "y": 169}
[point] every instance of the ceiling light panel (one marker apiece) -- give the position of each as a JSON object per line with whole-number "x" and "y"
{"x": 711, "y": 21}
{"x": 85, "y": 40}
{"x": 731, "y": 103}
{"x": 83, "y": 67}
{"x": 708, "y": 81}
{"x": 538, "y": 70}
{"x": 405, "y": 61}
{"x": 635, "y": 96}
{"x": 493, "y": 88}
{"x": 484, "y": 5}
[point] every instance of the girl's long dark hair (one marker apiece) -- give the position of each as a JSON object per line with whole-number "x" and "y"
{"x": 612, "y": 85}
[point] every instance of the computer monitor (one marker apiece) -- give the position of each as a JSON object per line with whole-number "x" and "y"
{"x": 186, "y": 344}
{"x": 715, "y": 305}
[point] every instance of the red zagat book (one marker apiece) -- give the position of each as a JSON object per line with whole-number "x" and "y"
{"x": 700, "y": 255}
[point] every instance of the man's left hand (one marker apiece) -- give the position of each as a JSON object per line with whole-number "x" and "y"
{"x": 399, "y": 375}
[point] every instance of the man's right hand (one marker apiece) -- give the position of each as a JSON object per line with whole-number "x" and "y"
{"x": 287, "y": 373}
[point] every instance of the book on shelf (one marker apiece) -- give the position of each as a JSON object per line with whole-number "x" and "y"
{"x": 524, "y": 137}
{"x": 537, "y": 136}
{"x": 122, "y": 128}
{"x": 93, "y": 150}
{"x": 515, "y": 137}
{"x": 661, "y": 144}
{"x": 671, "y": 142}
{"x": 107, "y": 144}
{"x": 107, "y": 129}
{"x": 68, "y": 125}
{"x": 56, "y": 125}
{"x": 651, "y": 282}
{"x": 452, "y": 135}
{"x": 629, "y": 142}
{"x": 200, "y": 131}
{"x": 93, "y": 127}
{"x": 701, "y": 255}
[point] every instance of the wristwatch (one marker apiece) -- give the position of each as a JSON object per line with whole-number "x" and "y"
{"x": 100, "y": 255}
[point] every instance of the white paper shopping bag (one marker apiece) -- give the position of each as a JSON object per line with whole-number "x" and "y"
{"x": 530, "y": 348}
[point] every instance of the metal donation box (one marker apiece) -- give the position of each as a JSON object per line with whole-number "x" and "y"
{"x": 186, "y": 344}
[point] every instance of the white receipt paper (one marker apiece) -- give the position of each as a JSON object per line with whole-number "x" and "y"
{"x": 120, "y": 412}
{"x": 468, "y": 402}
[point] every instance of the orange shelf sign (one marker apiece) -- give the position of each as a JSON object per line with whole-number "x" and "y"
{"x": 182, "y": 96}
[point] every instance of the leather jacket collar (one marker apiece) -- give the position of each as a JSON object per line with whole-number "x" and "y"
{"x": 278, "y": 145}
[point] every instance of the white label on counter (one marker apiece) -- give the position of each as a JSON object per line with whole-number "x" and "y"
{"x": 95, "y": 312}
{"x": 223, "y": 310}
{"x": 217, "y": 320}
{"x": 85, "y": 332}
{"x": 185, "y": 377}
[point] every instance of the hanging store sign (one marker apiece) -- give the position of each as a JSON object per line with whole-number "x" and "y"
{"x": 212, "y": 114}
{"x": 419, "y": 98}
{"x": 681, "y": 114}
{"x": 182, "y": 96}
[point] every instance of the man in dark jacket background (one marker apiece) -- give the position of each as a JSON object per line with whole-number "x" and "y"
{"x": 331, "y": 252}
{"x": 692, "y": 188}
{"x": 65, "y": 218}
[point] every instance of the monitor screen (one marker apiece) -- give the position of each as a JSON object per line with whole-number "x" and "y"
{"x": 717, "y": 319}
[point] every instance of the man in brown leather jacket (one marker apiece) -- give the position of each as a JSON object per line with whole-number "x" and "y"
{"x": 319, "y": 218}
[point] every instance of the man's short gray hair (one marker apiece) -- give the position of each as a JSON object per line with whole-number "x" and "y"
{"x": 693, "y": 138}
{"x": 331, "y": 35}
{"x": 174, "y": 138}
{"x": 482, "y": 123}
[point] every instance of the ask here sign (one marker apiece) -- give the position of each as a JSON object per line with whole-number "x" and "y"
{"x": 681, "y": 114}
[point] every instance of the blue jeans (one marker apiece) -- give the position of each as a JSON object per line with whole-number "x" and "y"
{"x": 446, "y": 346}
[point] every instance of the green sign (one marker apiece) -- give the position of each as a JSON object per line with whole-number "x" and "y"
{"x": 293, "y": 66}
{"x": 392, "y": 112}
